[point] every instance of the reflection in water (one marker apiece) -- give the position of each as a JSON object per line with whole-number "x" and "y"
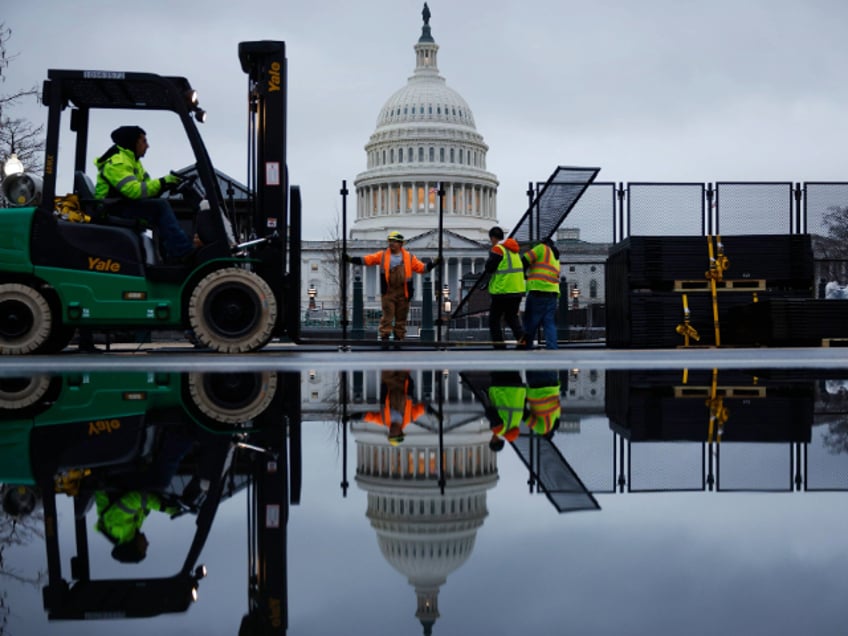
{"x": 425, "y": 531}
{"x": 128, "y": 445}
{"x": 435, "y": 452}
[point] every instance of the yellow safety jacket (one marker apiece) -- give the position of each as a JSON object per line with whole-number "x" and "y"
{"x": 509, "y": 403}
{"x": 120, "y": 174}
{"x": 543, "y": 271}
{"x": 544, "y": 407}
{"x": 509, "y": 277}
{"x": 121, "y": 518}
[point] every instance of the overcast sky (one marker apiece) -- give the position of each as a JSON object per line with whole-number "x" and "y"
{"x": 648, "y": 91}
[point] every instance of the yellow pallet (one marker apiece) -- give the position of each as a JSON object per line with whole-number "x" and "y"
{"x": 751, "y": 284}
{"x": 704, "y": 392}
{"x": 834, "y": 342}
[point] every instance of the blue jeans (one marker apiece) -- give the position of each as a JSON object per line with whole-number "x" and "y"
{"x": 541, "y": 311}
{"x": 158, "y": 212}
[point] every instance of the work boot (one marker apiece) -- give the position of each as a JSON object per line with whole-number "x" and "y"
{"x": 384, "y": 343}
{"x": 397, "y": 344}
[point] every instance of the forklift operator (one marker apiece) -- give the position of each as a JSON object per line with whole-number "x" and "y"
{"x": 121, "y": 175}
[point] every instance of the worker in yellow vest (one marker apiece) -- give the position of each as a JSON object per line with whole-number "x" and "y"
{"x": 540, "y": 307}
{"x": 506, "y": 395}
{"x": 544, "y": 408}
{"x": 506, "y": 287}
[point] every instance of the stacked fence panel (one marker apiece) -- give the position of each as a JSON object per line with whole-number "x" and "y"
{"x": 648, "y": 276}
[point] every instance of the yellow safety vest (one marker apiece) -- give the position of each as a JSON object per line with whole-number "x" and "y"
{"x": 543, "y": 273}
{"x": 509, "y": 277}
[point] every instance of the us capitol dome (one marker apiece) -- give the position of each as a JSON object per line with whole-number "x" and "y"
{"x": 425, "y": 137}
{"x": 425, "y": 533}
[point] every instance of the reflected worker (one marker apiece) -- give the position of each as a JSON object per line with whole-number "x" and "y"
{"x": 544, "y": 408}
{"x": 505, "y": 407}
{"x": 399, "y": 408}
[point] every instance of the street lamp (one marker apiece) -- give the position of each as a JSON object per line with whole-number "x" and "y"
{"x": 312, "y": 292}
{"x": 575, "y": 294}
{"x": 446, "y": 301}
{"x": 12, "y": 166}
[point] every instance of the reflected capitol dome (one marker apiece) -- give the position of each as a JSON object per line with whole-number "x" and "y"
{"x": 424, "y": 534}
{"x": 425, "y": 136}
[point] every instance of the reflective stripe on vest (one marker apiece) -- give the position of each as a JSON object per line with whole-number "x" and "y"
{"x": 543, "y": 273}
{"x": 509, "y": 277}
{"x": 509, "y": 402}
{"x": 545, "y": 408}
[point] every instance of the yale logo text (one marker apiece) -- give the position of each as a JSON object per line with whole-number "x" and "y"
{"x": 97, "y": 427}
{"x": 274, "y": 79}
{"x": 97, "y": 264}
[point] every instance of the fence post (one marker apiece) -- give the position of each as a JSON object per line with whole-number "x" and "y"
{"x": 428, "y": 334}
{"x": 562, "y": 311}
{"x": 358, "y": 331}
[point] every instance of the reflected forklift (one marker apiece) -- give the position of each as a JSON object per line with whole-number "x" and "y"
{"x": 79, "y": 433}
{"x": 57, "y": 275}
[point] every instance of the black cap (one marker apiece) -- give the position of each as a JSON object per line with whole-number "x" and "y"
{"x": 126, "y": 136}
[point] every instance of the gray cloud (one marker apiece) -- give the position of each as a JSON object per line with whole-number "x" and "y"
{"x": 657, "y": 90}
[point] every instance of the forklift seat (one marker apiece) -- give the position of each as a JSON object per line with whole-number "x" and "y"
{"x": 95, "y": 208}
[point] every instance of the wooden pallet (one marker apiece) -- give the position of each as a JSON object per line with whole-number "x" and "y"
{"x": 703, "y": 392}
{"x": 751, "y": 284}
{"x": 834, "y": 342}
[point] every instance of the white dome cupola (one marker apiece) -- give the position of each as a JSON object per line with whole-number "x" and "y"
{"x": 425, "y": 137}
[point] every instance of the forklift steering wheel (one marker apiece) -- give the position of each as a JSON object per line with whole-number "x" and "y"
{"x": 186, "y": 185}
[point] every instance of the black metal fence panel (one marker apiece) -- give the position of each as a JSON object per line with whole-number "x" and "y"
{"x": 825, "y": 218}
{"x": 594, "y": 213}
{"x": 665, "y": 209}
{"x": 541, "y": 220}
{"x": 753, "y": 208}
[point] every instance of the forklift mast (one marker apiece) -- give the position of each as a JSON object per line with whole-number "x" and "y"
{"x": 274, "y": 216}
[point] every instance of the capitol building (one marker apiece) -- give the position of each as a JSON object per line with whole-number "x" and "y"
{"x": 425, "y": 153}
{"x": 425, "y": 140}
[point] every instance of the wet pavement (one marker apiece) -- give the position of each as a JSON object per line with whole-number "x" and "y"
{"x": 585, "y": 491}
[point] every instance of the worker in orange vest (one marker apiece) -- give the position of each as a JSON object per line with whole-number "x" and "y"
{"x": 398, "y": 406}
{"x": 397, "y": 266}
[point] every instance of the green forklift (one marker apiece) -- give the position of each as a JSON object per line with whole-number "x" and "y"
{"x": 58, "y": 274}
{"x": 79, "y": 434}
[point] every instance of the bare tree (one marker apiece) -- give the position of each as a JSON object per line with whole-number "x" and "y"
{"x": 14, "y": 533}
{"x": 17, "y": 135}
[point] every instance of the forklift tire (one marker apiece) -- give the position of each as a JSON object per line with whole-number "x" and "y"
{"x": 232, "y": 398}
{"x": 232, "y": 310}
{"x": 20, "y": 392}
{"x": 25, "y": 319}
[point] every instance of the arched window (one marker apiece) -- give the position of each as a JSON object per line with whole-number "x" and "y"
{"x": 421, "y": 154}
{"x": 593, "y": 288}
{"x": 451, "y": 156}
{"x": 442, "y": 155}
{"x": 432, "y": 154}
